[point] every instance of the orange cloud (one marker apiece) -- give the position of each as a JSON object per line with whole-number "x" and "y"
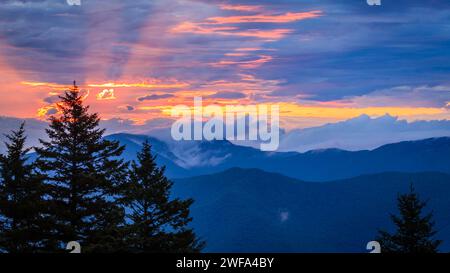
{"x": 217, "y": 25}
{"x": 106, "y": 94}
{"x": 297, "y": 110}
{"x": 190, "y": 27}
{"x": 294, "y": 115}
{"x": 139, "y": 85}
{"x": 248, "y": 49}
{"x": 46, "y": 84}
{"x": 46, "y": 110}
{"x": 153, "y": 84}
{"x": 265, "y": 18}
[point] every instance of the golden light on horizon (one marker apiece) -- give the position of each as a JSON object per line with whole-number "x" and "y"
{"x": 163, "y": 106}
{"x": 46, "y": 84}
{"x": 174, "y": 85}
{"x": 296, "y": 110}
{"x": 139, "y": 85}
{"x": 337, "y": 113}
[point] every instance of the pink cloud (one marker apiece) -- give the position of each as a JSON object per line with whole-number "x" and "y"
{"x": 245, "y": 64}
{"x": 190, "y": 27}
{"x": 240, "y": 7}
{"x": 224, "y": 25}
{"x": 266, "y": 18}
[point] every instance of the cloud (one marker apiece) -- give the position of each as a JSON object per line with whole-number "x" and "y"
{"x": 362, "y": 133}
{"x": 50, "y": 85}
{"x": 419, "y": 96}
{"x": 272, "y": 34}
{"x": 155, "y": 97}
{"x": 247, "y": 49}
{"x": 127, "y": 107}
{"x": 243, "y": 82}
{"x": 226, "y": 25}
{"x": 249, "y": 64}
{"x": 51, "y": 99}
{"x": 227, "y": 95}
{"x": 106, "y": 94}
{"x": 240, "y": 7}
{"x": 335, "y": 59}
{"x": 359, "y": 133}
{"x": 265, "y": 18}
{"x": 191, "y": 154}
{"x": 47, "y": 111}
{"x": 153, "y": 83}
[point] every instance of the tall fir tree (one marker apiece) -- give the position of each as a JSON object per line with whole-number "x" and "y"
{"x": 156, "y": 222}
{"x": 22, "y": 220}
{"x": 414, "y": 232}
{"x": 82, "y": 171}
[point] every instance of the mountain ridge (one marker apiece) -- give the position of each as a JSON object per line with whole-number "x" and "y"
{"x": 192, "y": 158}
{"x": 248, "y": 210}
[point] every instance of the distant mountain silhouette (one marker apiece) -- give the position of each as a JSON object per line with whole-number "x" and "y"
{"x": 362, "y": 133}
{"x": 191, "y": 158}
{"x": 264, "y": 206}
{"x": 249, "y": 210}
{"x": 165, "y": 157}
{"x": 358, "y": 133}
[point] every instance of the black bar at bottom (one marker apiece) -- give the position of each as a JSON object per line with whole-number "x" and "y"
{"x": 128, "y": 263}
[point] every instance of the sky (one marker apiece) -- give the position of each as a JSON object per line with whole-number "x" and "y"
{"x": 321, "y": 60}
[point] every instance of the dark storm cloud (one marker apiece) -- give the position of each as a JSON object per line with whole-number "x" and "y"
{"x": 228, "y": 95}
{"x": 155, "y": 97}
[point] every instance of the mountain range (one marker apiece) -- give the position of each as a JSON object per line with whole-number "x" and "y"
{"x": 327, "y": 200}
{"x": 252, "y": 201}
{"x": 191, "y": 158}
{"x": 358, "y": 133}
{"x": 249, "y": 210}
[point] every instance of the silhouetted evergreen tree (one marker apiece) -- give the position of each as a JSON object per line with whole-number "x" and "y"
{"x": 414, "y": 233}
{"x": 156, "y": 223}
{"x": 22, "y": 221}
{"x": 82, "y": 172}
